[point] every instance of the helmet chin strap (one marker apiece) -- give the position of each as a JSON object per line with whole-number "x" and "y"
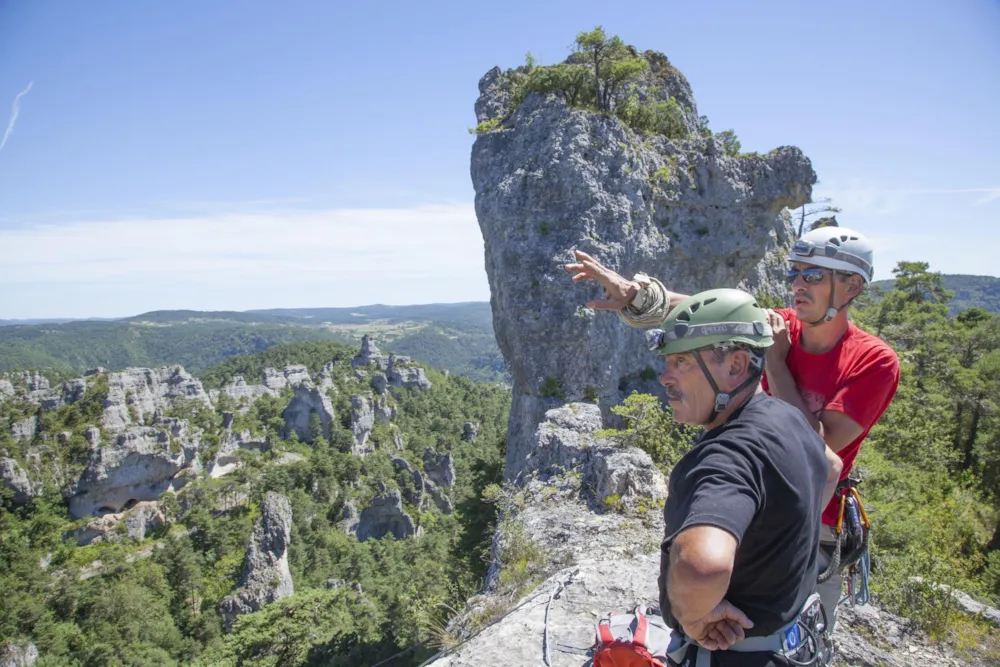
{"x": 722, "y": 399}
{"x": 831, "y": 311}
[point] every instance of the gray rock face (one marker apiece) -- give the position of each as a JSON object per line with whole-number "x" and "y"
{"x": 405, "y": 472}
{"x": 402, "y": 372}
{"x": 556, "y": 179}
{"x": 24, "y": 429}
{"x": 135, "y": 524}
{"x": 384, "y": 516}
{"x": 615, "y": 564}
{"x": 6, "y": 388}
{"x": 469, "y": 431}
{"x": 138, "y": 465}
{"x": 266, "y": 577}
{"x": 561, "y": 441}
{"x": 240, "y": 390}
{"x": 369, "y": 354}
{"x": 20, "y": 654}
{"x": 629, "y": 474}
{"x": 226, "y": 459}
{"x": 290, "y": 376}
{"x": 349, "y": 519}
{"x": 67, "y": 393}
{"x": 135, "y": 394}
{"x": 380, "y": 383}
{"x": 16, "y": 479}
{"x": 440, "y": 468}
{"x": 440, "y": 498}
{"x": 384, "y": 411}
{"x": 298, "y": 413}
{"x": 362, "y": 422}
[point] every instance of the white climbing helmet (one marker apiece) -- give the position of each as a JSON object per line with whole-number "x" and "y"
{"x": 836, "y": 248}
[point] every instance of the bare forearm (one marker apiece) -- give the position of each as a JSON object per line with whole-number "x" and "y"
{"x": 694, "y": 591}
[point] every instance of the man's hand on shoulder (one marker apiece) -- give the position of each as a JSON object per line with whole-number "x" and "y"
{"x": 778, "y": 351}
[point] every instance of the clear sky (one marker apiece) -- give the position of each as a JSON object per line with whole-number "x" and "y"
{"x": 239, "y": 155}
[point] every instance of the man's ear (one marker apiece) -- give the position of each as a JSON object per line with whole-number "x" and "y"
{"x": 739, "y": 363}
{"x": 854, "y": 285}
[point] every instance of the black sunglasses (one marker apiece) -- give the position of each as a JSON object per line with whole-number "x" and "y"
{"x": 811, "y": 275}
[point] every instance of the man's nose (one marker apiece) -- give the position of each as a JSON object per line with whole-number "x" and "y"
{"x": 666, "y": 379}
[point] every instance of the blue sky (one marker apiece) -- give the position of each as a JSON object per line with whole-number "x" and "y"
{"x": 262, "y": 154}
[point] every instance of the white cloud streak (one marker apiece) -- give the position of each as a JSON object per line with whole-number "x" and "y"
{"x": 15, "y": 110}
{"x": 859, "y": 197}
{"x": 275, "y": 258}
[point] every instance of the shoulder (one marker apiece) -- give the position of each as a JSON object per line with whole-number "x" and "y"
{"x": 872, "y": 351}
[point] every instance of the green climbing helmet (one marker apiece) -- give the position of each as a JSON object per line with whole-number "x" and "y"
{"x": 709, "y": 318}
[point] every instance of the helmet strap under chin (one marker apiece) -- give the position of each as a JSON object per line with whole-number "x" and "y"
{"x": 722, "y": 399}
{"x": 831, "y": 311}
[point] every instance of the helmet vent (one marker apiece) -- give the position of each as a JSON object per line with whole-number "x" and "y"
{"x": 694, "y": 307}
{"x": 709, "y": 300}
{"x": 684, "y": 316}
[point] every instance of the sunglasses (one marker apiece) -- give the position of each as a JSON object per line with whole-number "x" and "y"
{"x": 811, "y": 276}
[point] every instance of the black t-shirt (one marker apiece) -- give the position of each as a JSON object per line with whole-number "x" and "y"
{"x": 759, "y": 476}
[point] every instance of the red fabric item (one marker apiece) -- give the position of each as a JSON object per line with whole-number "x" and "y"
{"x": 640, "y": 629}
{"x": 858, "y": 377}
{"x": 624, "y": 654}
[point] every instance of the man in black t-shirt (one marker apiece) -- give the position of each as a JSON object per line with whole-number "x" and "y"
{"x": 738, "y": 560}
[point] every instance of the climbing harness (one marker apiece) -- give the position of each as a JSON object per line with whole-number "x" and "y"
{"x": 640, "y": 638}
{"x": 802, "y": 642}
{"x": 850, "y": 554}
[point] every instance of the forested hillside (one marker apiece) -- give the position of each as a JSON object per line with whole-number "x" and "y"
{"x": 454, "y": 337}
{"x": 969, "y": 291}
{"x": 155, "y": 601}
{"x": 930, "y": 474}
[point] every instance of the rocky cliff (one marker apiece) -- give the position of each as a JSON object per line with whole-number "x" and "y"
{"x": 266, "y": 576}
{"x": 582, "y": 521}
{"x": 550, "y": 178}
{"x": 587, "y": 555}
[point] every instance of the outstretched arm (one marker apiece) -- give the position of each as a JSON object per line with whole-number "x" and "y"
{"x": 638, "y": 303}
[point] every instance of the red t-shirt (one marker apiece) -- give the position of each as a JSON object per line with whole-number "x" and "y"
{"x": 858, "y": 377}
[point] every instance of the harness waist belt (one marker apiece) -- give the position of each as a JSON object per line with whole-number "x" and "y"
{"x": 776, "y": 642}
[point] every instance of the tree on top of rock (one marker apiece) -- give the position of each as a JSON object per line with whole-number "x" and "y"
{"x": 613, "y": 63}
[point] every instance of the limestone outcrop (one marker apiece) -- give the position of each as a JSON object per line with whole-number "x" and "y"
{"x": 551, "y": 179}
{"x": 135, "y": 523}
{"x": 16, "y": 479}
{"x": 240, "y": 390}
{"x": 385, "y": 516}
{"x": 230, "y": 443}
{"x": 369, "y": 354}
{"x": 135, "y": 394}
{"x": 402, "y": 372}
{"x": 362, "y": 422}
{"x": 307, "y": 400}
{"x": 265, "y": 577}
{"x": 18, "y": 654}
{"x": 24, "y": 429}
{"x": 440, "y": 468}
{"x": 139, "y": 464}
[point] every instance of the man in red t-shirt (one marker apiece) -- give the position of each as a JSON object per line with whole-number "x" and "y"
{"x": 841, "y": 378}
